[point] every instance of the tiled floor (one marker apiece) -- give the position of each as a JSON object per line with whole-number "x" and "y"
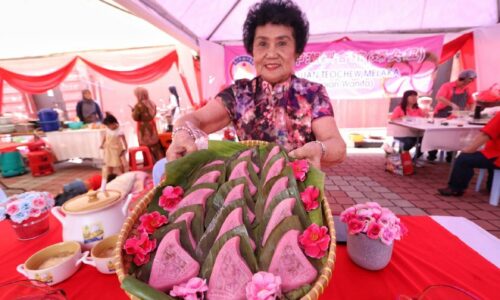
{"x": 360, "y": 178}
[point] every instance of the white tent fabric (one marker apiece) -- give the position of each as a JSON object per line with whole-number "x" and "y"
{"x": 222, "y": 20}
{"x": 30, "y": 28}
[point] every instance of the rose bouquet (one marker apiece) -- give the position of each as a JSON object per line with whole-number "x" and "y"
{"x": 21, "y": 207}
{"x": 375, "y": 221}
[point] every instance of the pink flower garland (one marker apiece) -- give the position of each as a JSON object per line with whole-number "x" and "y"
{"x": 150, "y": 222}
{"x": 300, "y": 168}
{"x": 264, "y": 286}
{"x": 191, "y": 289}
{"x": 310, "y": 198}
{"x": 170, "y": 197}
{"x": 315, "y": 241}
{"x": 140, "y": 247}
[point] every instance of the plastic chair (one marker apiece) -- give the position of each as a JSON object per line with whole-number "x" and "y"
{"x": 40, "y": 163}
{"x": 165, "y": 139}
{"x": 495, "y": 186}
{"x": 159, "y": 170}
{"x": 146, "y": 154}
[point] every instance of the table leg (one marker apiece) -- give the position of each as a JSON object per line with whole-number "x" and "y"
{"x": 452, "y": 164}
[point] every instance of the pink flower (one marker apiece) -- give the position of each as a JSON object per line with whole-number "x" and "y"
{"x": 191, "y": 289}
{"x": 12, "y": 209}
{"x": 171, "y": 196}
{"x": 373, "y": 230}
{"x": 39, "y": 203}
{"x": 300, "y": 168}
{"x": 387, "y": 236}
{"x": 355, "y": 226}
{"x": 152, "y": 221}
{"x": 315, "y": 241}
{"x": 310, "y": 198}
{"x": 35, "y": 212}
{"x": 140, "y": 246}
{"x": 264, "y": 286}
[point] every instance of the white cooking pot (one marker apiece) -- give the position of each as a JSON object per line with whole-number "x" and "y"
{"x": 92, "y": 217}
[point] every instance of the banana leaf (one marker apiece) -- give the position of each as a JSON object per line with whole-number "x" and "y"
{"x": 225, "y": 148}
{"x": 220, "y": 197}
{"x": 265, "y": 255}
{"x": 197, "y": 228}
{"x": 143, "y": 290}
{"x": 212, "y": 231}
{"x": 245, "y": 249}
{"x": 298, "y": 293}
{"x": 264, "y": 152}
{"x": 143, "y": 272}
{"x": 251, "y": 171}
{"x": 266, "y": 168}
{"x": 316, "y": 178}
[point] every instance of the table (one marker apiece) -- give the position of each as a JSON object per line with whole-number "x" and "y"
{"x": 80, "y": 143}
{"x": 429, "y": 254}
{"x": 435, "y": 136}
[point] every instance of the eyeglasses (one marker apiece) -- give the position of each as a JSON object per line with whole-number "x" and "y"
{"x": 30, "y": 290}
{"x": 442, "y": 291}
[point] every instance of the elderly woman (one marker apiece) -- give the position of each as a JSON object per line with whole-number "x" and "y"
{"x": 275, "y": 106}
{"x": 144, "y": 113}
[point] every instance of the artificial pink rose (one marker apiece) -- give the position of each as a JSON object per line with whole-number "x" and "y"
{"x": 310, "y": 198}
{"x": 152, "y": 221}
{"x": 300, "y": 168}
{"x": 12, "y": 209}
{"x": 35, "y": 212}
{"x": 373, "y": 230}
{"x": 170, "y": 197}
{"x": 348, "y": 214}
{"x": 193, "y": 289}
{"x": 39, "y": 203}
{"x": 264, "y": 286}
{"x": 387, "y": 236}
{"x": 355, "y": 226}
{"x": 315, "y": 241}
{"x": 140, "y": 246}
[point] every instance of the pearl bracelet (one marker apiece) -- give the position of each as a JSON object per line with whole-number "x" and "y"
{"x": 183, "y": 128}
{"x": 323, "y": 148}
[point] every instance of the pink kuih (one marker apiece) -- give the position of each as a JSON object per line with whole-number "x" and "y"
{"x": 210, "y": 177}
{"x": 276, "y": 168}
{"x": 188, "y": 217}
{"x": 172, "y": 264}
{"x": 272, "y": 153}
{"x": 199, "y": 196}
{"x": 230, "y": 273}
{"x": 279, "y": 186}
{"x": 241, "y": 170}
{"x": 280, "y": 212}
{"x": 237, "y": 193}
{"x": 290, "y": 263}
{"x": 233, "y": 220}
{"x": 249, "y": 153}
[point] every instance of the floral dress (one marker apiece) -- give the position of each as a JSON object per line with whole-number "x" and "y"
{"x": 281, "y": 114}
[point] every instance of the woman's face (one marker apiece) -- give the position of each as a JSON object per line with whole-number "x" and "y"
{"x": 274, "y": 52}
{"x": 412, "y": 100}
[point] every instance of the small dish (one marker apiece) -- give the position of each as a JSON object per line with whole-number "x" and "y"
{"x": 53, "y": 264}
{"x": 102, "y": 255}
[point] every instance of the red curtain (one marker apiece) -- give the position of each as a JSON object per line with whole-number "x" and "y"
{"x": 43, "y": 83}
{"x": 464, "y": 44}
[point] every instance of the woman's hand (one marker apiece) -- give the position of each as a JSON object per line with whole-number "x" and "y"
{"x": 183, "y": 143}
{"x": 311, "y": 151}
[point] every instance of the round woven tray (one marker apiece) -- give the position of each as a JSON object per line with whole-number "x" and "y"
{"x": 319, "y": 285}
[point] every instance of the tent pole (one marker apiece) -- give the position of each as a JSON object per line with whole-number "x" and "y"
{"x": 224, "y": 19}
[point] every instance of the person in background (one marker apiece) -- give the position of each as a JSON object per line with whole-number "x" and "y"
{"x": 87, "y": 110}
{"x": 408, "y": 107}
{"x": 471, "y": 157}
{"x": 79, "y": 187}
{"x": 114, "y": 145}
{"x": 276, "y": 106}
{"x": 144, "y": 113}
{"x": 455, "y": 95}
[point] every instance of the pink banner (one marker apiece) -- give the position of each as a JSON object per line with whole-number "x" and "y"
{"x": 357, "y": 69}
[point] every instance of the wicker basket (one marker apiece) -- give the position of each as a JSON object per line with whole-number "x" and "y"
{"x": 320, "y": 283}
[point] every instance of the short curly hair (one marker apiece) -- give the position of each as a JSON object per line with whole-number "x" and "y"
{"x": 278, "y": 12}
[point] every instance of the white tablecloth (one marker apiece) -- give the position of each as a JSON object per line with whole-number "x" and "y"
{"x": 81, "y": 143}
{"x": 484, "y": 243}
{"x": 435, "y": 136}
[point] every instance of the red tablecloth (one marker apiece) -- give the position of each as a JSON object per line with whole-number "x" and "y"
{"x": 428, "y": 255}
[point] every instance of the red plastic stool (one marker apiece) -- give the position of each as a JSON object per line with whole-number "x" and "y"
{"x": 148, "y": 159}
{"x": 40, "y": 162}
{"x": 36, "y": 145}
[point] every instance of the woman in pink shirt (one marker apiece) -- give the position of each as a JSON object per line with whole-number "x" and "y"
{"x": 408, "y": 107}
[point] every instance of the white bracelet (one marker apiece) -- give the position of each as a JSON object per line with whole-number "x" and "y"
{"x": 183, "y": 128}
{"x": 323, "y": 148}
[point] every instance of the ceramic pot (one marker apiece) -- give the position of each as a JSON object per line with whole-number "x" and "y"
{"x": 92, "y": 217}
{"x": 368, "y": 253}
{"x": 68, "y": 257}
{"x": 102, "y": 256}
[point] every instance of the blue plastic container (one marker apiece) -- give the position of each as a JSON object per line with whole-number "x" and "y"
{"x": 47, "y": 115}
{"x": 50, "y": 125}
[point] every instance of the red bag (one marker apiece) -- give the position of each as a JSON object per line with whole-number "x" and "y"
{"x": 407, "y": 163}
{"x": 490, "y": 95}
{"x": 399, "y": 163}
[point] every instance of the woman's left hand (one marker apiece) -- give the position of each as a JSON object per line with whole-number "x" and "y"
{"x": 311, "y": 151}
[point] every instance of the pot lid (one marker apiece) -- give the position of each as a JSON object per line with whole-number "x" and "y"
{"x": 91, "y": 201}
